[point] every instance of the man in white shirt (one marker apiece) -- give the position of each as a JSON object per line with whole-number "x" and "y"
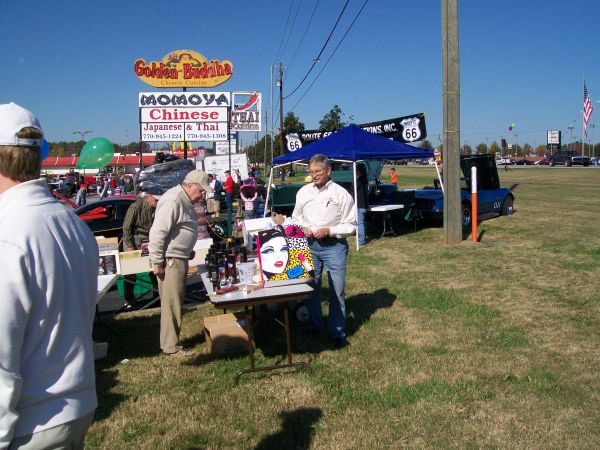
{"x": 326, "y": 212}
{"x": 48, "y": 288}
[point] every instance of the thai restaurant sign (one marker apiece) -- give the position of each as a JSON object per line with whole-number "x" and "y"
{"x": 183, "y": 116}
{"x": 245, "y": 114}
{"x": 183, "y": 68}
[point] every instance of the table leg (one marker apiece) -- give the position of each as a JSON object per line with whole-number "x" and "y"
{"x": 250, "y": 336}
{"x": 288, "y": 338}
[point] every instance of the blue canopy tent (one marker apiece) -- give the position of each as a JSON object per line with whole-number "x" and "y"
{"x": 351, "y": 144}
{"x": 354, "y": 144}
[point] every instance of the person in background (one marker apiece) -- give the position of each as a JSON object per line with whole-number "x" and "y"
{"x": 325, "y": 210}
{"x": 49, "y": 269}
{"x": 136, "y": 230}
{"x": 361, "y": 203}
{"x": 393, "y": 176}
{"x": 172, "y": 238}
{"x": 128, "y": 186}
{"x": 213, "y": 199}
{"x": 228, "y": 186}
{"x": 105, "y": 186}
{"x": 121, "y": 184}
{"x": 238, "y": 176}
{"x": 248, "y": 195}
{"x": 81, "y": 198}
{"x": 112, "y": 184}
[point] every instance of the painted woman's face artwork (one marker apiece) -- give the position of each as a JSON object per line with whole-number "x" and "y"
{"x": 274, "y": 255}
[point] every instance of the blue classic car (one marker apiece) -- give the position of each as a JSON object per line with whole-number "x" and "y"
{"x": 492, "y": 200}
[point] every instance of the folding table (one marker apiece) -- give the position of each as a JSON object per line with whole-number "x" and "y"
{"x": 263, "y": 296}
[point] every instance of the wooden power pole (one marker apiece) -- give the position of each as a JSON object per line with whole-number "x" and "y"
{"x": 451, "y": 98}
{"x": 281, "y": 139}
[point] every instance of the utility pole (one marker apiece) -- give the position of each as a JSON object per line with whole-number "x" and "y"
{"x": 272, "y": 134}
{"x": 266, "y": 134}
{"x": 280, "y": 83}
{"x": 451, "y": 102}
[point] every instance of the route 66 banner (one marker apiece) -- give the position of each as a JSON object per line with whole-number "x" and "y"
{"x": 405, "y": 129}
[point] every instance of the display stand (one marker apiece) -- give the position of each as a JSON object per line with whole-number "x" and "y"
{"x": 263, "y": 296}
{"x": 386, "y": 217}
{"x": 105, "y": 282}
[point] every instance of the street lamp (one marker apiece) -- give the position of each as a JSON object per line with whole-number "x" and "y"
{"x": 83, "y": 133}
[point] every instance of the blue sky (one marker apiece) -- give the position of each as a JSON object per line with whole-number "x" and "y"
{"x": 522, "y": 62}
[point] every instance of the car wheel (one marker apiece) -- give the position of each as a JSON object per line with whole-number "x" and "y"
{"x": 568, "y": 163}
{"x": 551, "y": 164}
{"x": 507, "y": 206}
{"x": 466, "y": 215}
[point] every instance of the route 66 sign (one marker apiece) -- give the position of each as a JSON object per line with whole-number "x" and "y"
{"x": 410, "y": 129}
{"x": 293, "y": 142}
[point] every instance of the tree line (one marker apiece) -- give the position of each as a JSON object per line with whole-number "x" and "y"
{"x": 331, "y": 121}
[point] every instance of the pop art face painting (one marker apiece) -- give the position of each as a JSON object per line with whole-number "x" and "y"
{"x": 274, "y": 252}
{"x": 285, "y": 255}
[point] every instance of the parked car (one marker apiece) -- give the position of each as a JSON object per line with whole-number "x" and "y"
{"x": 492, "y": 200}
{"x": 595, "y": 161}
{"x": 569, "y": 158}
{"x": 504, "y": 160}
{"x": 523, "y": 162}
{"x": 105, "y": 217}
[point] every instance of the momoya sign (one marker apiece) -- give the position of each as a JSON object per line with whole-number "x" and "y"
{"x": 183, "y": 68}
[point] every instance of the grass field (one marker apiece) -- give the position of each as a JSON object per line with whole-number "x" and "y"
{"x": 488, "y": 345}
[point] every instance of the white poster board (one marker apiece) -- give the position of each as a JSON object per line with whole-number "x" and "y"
{"x": 217, "y": 165}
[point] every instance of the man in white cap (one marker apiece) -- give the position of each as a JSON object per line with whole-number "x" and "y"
{"x": 48, "y": 288}
{"x": 172, "y": 238}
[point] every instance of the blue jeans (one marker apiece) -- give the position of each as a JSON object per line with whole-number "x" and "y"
{"x": 329, "y": 254}
{"x": 360, "y": 229}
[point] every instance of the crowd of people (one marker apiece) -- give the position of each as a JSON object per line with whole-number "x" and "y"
{"x": 50, "y": 268}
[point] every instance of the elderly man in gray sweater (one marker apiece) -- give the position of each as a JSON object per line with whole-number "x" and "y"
{"x": 172, "y": 238}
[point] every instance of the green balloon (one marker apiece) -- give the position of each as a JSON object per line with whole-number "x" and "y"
{"x": 513, "y": 125}
{"x": 96, "y": 153}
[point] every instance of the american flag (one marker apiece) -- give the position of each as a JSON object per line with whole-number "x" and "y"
{"x": 588, "y": 107}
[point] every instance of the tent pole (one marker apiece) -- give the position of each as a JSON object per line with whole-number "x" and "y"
{"x": 355, "y": 203}
{"x": 268, "y": 191}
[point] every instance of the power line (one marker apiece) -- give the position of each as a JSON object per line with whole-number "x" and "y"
{"x": 333, "y": 53}
{"x": 284, "y": 30}
{"x": 303, "y": 36}
{"x": 316, "y": 60}
{"x": 291, "y": 29}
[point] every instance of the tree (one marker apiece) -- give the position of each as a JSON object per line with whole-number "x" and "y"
{"x": 482, "y": 148}
{"x": 527, "y": 149}
{"x": 332, "y": 121}
{"x": 292, "y": 124}
{"x": 426, "y": 145}
{"x": 495, "y": 148}
{"x": 466, "y": 149}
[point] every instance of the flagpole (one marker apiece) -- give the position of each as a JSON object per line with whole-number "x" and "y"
{"x": 583, "y": 122}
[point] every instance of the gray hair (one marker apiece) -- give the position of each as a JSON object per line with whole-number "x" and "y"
{"x": 321, "y": 160}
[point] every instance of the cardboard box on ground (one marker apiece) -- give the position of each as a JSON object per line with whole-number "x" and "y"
{"x": 225, "y": 333}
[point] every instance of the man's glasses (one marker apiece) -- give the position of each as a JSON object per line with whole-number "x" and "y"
{"x": 317, "y": 172}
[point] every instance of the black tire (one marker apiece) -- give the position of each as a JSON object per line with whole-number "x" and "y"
{"x": 466, "y": 215}
{"x": 507, "y": 206}
{"x": 569, "y": 163}
{"x": 552, "y": 164}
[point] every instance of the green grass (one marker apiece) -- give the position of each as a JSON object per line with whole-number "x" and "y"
{"x": 491, "y": 345}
